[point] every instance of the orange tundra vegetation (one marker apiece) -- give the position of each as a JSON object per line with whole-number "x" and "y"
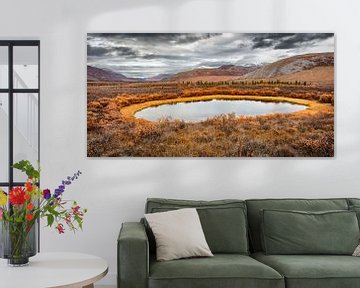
{"x": 113, "y": 130}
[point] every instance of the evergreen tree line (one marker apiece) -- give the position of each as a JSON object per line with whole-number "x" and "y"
{"x": 245, "y": 83}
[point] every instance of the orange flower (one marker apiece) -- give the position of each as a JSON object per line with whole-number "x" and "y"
{"x": 27, "y": 196}
{"x": 29, "y": 217}
{"x": 29, "y": 186}
{"x": 29, "y": 206}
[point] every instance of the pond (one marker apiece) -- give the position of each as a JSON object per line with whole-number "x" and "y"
{"x": 199, "y": 111}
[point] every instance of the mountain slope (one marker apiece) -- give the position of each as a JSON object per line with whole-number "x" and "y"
{"x": 320, "y": 75}
{"x": 97, "y": 74}
{"x": 291, "y": 65}
{"x": 222, "y": 73}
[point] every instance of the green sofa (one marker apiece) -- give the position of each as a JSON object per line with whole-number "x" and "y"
{"x": 233, "y": 230}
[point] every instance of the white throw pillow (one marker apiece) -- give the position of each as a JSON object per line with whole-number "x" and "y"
{"x": 178, "y": 234}
{"x": 357, "y": 251}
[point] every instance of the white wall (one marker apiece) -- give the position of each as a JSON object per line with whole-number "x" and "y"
{"x": 114, "y": 190}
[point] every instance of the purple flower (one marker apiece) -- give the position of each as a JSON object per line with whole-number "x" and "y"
{"x": 58, "y": 192}
{"x": 68, "y": 181}
{"x": 46, "y": 194}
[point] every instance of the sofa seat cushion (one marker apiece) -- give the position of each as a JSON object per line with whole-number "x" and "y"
{"x": 313, "y": 271}
{"x": 222, "y": 270}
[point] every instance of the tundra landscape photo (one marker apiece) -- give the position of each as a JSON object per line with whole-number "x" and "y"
{"x": 210, "y": 95}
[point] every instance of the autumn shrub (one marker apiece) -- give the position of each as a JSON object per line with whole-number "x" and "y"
{"x": 327, "y": 98}
{"x": 322, "y": 147}
{"x": 253, "y": 148}
{"x": 284, "y": 151}
{"x": 101, "y": 142}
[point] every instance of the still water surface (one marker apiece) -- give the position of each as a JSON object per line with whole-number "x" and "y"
{"x": 199, "y": 111}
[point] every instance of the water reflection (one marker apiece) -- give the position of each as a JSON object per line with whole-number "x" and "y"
{"x": 199, "y": 111}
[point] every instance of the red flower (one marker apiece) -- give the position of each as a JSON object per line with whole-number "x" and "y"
{"x": 60, "y": 228}
{"x": 75, "y": 209}
{"x": 29, "y": 206}
{"x": 27, "y": 196}
{"x": 68, "y": 219}
{"x": 29, "y": 217}
{"x": 17, "y": 196}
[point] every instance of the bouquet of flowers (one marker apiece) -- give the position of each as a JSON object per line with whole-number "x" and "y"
{"x": 23, "y": 206}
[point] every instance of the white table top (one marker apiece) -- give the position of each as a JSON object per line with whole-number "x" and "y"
{"x": 45, "y": 270}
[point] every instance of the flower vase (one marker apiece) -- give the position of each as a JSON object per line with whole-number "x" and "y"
{"x": 18, "y": 242}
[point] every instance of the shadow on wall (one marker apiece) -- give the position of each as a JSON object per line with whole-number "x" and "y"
{"x": 68, "y": 92}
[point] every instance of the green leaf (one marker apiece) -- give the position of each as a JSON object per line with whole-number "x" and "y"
{"x": 79, "y": 221}
{"x": 50, "y": 219}
{"x": 26, "y": 167}
{"x": 53, "y": 211}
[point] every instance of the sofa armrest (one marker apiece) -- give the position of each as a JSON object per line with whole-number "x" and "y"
{"x": 133, "y": 256}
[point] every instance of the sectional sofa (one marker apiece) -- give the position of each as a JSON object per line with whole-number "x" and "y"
{"x": 261, "y": 243}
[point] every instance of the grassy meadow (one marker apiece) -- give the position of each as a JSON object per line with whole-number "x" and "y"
{"x": 114, "y": 131}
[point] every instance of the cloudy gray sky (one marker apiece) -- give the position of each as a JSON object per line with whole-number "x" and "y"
{"x": 146, "y": 55}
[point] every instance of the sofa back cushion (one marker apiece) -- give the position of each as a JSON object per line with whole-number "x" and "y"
{"x": 353, "y": 201}
{"x": 255, "y": 206}
{"x": 298, "y": 232}
{"x": 354, "y": 205}
{"x": 223, "y": 221}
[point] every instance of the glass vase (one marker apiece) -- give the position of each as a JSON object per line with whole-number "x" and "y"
{"x": 18, "y": 242}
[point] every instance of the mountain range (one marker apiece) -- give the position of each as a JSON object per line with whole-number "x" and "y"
{"x": 98, "y": 74}
{"x": 314, "y": 67}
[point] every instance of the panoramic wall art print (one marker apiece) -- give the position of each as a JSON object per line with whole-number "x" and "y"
{"x": 210, "y": 95}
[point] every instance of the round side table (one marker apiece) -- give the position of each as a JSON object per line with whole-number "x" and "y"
{"x": 50, "y": 270}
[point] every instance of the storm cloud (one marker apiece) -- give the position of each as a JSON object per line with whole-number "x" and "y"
{"x": 287, "y": 40}
{"x": 96, "y": 51}
{"x": 158, "y": 38}
{"x": 143, "y": 55}
{"x": 113, "y": 51}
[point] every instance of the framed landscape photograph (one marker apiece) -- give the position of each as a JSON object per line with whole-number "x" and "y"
{"x": 210, "y": 95}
